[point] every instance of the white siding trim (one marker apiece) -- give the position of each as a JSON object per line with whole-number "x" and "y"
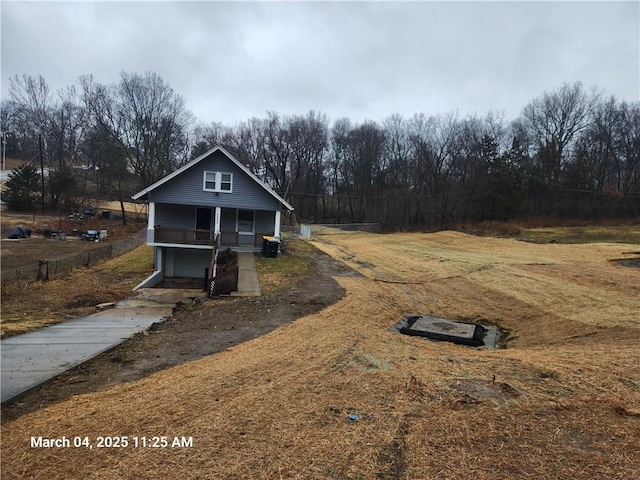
{"x": 181, "y": 245}
{"x": 152, "y": 215}
{"x": 276, "y": 226}
{"x": 151, "y": 221}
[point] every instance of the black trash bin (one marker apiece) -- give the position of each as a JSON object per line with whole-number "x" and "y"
{"x": 270, "y": 247}
{"x": 106, "y": 215}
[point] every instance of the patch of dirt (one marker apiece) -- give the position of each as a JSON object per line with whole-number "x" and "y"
{"x": 628, "y": 262}
{"x": 482, "y": 388}
{"x": 85, "y": 300}
{"x": 193, "y": 331}
{"x": 28, "y": 251}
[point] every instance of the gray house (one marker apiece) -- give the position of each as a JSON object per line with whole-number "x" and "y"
{"x": 211, "y": 196}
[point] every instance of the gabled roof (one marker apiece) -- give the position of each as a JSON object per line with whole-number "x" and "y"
{"x": 194, "y": 162}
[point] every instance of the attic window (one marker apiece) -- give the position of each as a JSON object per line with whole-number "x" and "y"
{"x": 217, "y": 182}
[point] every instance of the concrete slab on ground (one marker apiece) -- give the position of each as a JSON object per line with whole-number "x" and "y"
{"x": 441, "y": 329}
{"x": 444, "y": 327}
{"x": 34, "y": 358}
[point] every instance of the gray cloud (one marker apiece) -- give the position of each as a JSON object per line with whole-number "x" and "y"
{"x": 231, "y": 61}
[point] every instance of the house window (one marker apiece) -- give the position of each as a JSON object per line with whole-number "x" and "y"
{"x": 245, "y": 221}
{"x": 210, "y": 181}
{"x": 225, "y": 182}
{"x": 217, "y": 182}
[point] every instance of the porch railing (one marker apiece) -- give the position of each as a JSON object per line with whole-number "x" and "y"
{"x": 192, "y": 236}
{"x": 229, "y": 239}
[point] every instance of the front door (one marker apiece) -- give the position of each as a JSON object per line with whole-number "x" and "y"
{"x": 203, "y": 222}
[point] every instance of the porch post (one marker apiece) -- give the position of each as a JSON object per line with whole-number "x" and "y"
{"x": 216, "y": 222}
{"x": 151, "y": 221}
{"x": 276, "y": 227}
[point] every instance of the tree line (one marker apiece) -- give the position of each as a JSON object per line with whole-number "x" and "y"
{"x": 572, "y": 153}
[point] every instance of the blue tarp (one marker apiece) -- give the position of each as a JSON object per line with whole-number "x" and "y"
{"x": 18, "y": 232}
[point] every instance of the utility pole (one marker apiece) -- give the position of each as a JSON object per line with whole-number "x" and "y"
{"x": 61, "y": 138}
{"x": 41, "y": 169}
{"x": 4, "y": 150}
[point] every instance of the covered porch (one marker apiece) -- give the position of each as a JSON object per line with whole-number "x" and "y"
{"x": 186, "y": 225}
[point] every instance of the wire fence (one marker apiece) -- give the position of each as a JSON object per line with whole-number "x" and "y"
{"x": 60, "y": 267}
{"x": 309, "y": 230}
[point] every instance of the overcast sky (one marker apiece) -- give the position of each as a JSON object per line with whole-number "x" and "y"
{"x": 361, "y": 60}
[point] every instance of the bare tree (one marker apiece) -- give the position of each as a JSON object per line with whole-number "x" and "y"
{"x": 341, "y": 180}
{"x": 398, "y": 151}
{"x": 277, "y": 154}
{"x": 147, "y": 118}
{"x": 399, "y": 192}
{"x": 35, "y": 103}
{"x": 627, "y": 133}
{"x": 432, "y": 140}
{"x": 14, "y": 141}
{"x": 109, "y": 164}
{"x": 553, "y": 121}
{"x": 366, "y": 146}
{"x": 309, "y": 138}
{"x": 33, "y": 97}
{"x": 71, "y": 129}
{"x": 247, "y": 143}
{"x": 209, "y": 136}
{"x": 594, "y": 161}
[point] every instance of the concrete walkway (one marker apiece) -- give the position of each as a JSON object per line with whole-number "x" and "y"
{"x": 248, "y": 284}
{"x": 34, "y": 358}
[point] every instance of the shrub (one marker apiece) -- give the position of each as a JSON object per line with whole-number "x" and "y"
{"x": 227, "y": 257}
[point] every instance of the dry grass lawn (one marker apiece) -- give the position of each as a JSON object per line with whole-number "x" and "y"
{"x": 77, "y": 294}
{"x": 130, "y": 207}
{"x": 563, "y": 401}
